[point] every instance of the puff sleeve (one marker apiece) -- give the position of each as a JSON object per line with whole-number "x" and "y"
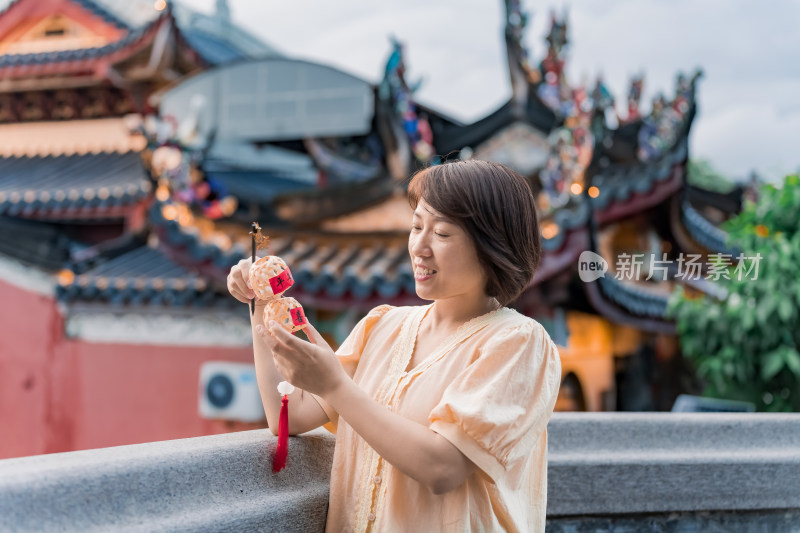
{"x": 349, "y": 354}
{"x": 497, "y": 408}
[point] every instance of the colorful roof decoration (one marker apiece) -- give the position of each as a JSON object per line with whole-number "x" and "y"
{"x": 395, "y": 90}
{"x": 666, "y": 122}
{"x": 624, "y": 190}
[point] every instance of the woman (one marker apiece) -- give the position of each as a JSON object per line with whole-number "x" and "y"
{"x": 440, "y": 410}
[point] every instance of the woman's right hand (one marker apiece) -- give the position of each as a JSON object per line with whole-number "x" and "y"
{"x": 239, "y": 281}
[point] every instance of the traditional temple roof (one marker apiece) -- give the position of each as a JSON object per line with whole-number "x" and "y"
{"x": 33, "y": 243}
{"x": 141, "y": 277}
{"x": 207, "y": 39}
{"x": 626, "y": 303}
{"x": 452, "y": 138}
{"x": 569, "y": 218}
{"x": 336, "y": 269}
{"x": 81, "y": 60}
{"x": 54, "y": 138}
{"x": 102, "y": 11}
{"x": 703, "y": 232}
{"x": 393, "y": 214}
{"x": 69, "y": 187}
{"x": 316, "y": 205}
{"x": 635, "y": 297}
{"x": 630, "y": 189}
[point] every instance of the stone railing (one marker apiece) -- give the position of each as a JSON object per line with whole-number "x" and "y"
{"x": 674, "y": 472}
{"x": 607, "y": 471}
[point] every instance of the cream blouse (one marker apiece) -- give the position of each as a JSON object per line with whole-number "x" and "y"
{"x": 489, "y": 389}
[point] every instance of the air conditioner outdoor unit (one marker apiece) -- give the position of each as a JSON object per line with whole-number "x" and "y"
{"x": 229, "y": 391}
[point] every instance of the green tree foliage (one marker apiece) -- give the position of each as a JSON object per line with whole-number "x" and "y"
{"x": 701, "y": 174}
{"x": 745, "y": 346}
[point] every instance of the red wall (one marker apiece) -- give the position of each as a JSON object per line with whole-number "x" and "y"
{"x": 58, "y": 394}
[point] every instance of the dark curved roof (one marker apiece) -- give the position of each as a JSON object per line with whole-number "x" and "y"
{"x": 634, "y": 299}
{"x": 141, "y": 277}
{"x": 568, "y": 218}
{"x": 704, "y": 232}
{"x": 622, "y": 303}
{"x": 71, "y": 186}
{"x": 455, "y": 137}
{"x": 323, "y": 265}
{"x": 618, "y": 184}
{"x": 34, "y": 243}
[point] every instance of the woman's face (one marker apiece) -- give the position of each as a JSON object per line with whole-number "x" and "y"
{"x": 443, "y": 257}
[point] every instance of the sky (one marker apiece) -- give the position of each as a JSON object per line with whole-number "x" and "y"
{"x": 748, "y": 107}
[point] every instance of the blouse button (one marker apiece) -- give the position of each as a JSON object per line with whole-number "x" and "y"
{"x": 378, "y": 480}
{"x": 371, "y": 517}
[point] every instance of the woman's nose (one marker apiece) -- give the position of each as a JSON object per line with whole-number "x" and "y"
{"x": 419, "y": 245}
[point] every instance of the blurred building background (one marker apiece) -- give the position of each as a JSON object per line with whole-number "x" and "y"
{"x": 139, "y": 140}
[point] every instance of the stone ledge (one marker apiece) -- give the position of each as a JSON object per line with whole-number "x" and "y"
{"x": 627, "y": 463}
{"x": 214, "y": 483}
{"x": 638, "y": 469}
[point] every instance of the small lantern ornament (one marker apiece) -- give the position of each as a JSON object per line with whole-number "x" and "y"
{"x": 270, "y": 278}
{"x": 287, "y": 312}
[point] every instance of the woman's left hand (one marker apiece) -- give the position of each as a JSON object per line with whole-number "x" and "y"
{"x": 311, "y": 366}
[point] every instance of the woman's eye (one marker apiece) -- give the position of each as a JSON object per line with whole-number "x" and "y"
{"x": 442, "y": 235}
{"x": 415, "y": 228}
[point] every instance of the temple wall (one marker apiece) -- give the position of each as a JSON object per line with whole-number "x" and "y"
{"x": 61, "y": 392}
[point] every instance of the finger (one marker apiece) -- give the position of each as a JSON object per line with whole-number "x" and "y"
{"x": 236, "y": 293}
{"x": 284, "y": 337}
{"x": 233, "y": 289}
{"x": 246, "y": 263}
{"x": 313, "y": 335}
{"x": 241, "y": 277}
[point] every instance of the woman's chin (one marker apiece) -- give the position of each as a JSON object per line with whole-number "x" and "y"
{"x": 425, "y": 293}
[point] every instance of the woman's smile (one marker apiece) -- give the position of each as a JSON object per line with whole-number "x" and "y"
{"x": 422, "y": 273}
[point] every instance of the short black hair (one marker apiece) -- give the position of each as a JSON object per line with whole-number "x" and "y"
{"x": 496, "y": 207}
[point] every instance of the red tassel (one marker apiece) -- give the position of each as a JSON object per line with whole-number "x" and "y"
{"x": 282, "y": 451}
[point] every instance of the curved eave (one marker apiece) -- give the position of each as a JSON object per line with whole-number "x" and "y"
{"x": 326, "y": 268}
{"x": 454, "y": 138}
{"x": 556, "y": 261}
{"x": 90, "y": 60}
{"x": 73, "y": 187}
{"x": 624, "y": 304}
{"x": 571, "y": 217}
{"x": 34, "y": 243}
{"x": 98, "y": 10}
{"x": 102, "y": 212}
{"x": 140, "y": 277}
{"x": 694, "y": 232}
{"x": 624, "y": 192}
{"x": 310, "y": 207}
